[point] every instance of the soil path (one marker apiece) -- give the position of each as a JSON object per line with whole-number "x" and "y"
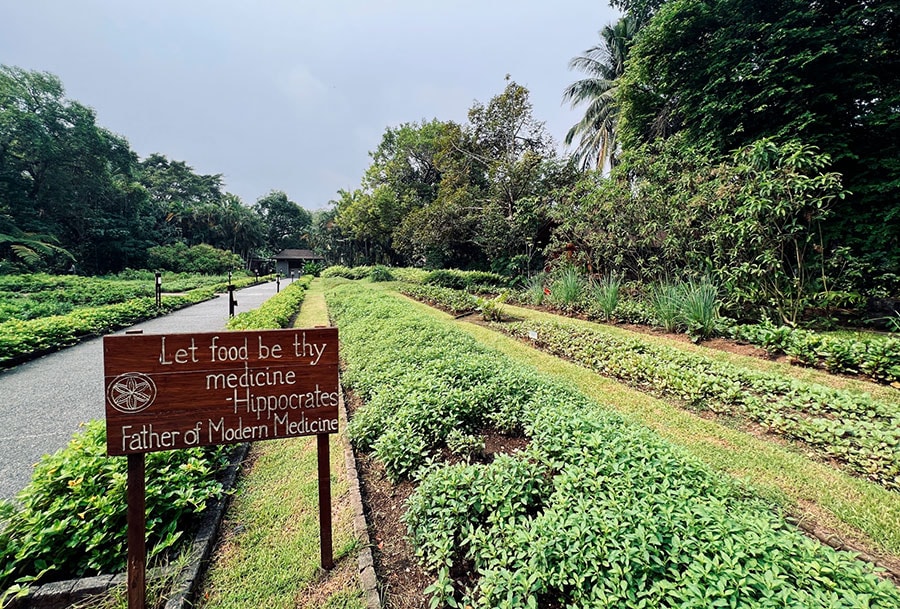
{"x": 43, "y": 402}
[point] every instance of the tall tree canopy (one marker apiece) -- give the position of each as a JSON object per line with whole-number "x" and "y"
{"x": 727, "y": 73}
{"x": 603, "y": 65}
{"x": 287, "y": 224}
{"x": 64, "y": 176}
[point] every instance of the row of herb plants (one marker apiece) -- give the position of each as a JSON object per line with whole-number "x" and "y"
{"x": 23, "y": 338}
{"x": 693, "y": 307}
{"x": 853, "y": 428}
{"x": 596, "y": 512}
{"x": 876, "y": 357}
{"x": 472, "y": 281}
{"x": 451, "y": 300}
{"x": 70, "y": 520}
{"x": 277, "y": 311}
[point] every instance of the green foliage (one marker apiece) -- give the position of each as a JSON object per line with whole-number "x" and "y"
{"x": 878, "y": 358}
{"x": 567, "y": 288}
{"x": 339, "y": 270}
{"x": 851, "y": 428}
{"x": 605, "y": 295}
{"x": 453, "y": 301}
{"x": 751, "y": 224}
{"x": 462, "y": 280}
{"x": 72, "y": 522}
{"x": 286, "y": 222}
{"x": 726, "y": 73}
{"x": 204, "y": 259}
{"x": 664, "y": 299}
{"x": 491, "y": 309}
{"x": 380, "y": 273}
{"x": 276, "y": 312}
{"x": 595, "y": 512}
{"x": 312, "y": 268}
{"x": 55, "y": 294}
{"x": 467, "y": 446}
{"x": 698, "y": 307}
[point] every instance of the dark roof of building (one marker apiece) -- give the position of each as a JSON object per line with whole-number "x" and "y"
{"x": 297, "y": 255}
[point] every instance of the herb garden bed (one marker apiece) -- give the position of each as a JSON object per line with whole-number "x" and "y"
{"x": 593, "y": 512}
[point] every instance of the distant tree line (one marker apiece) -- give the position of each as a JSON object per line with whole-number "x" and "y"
{"x": 72, "y": 192}
{"x": 752, "y": 143}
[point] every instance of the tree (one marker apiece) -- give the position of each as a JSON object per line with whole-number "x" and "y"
{"x": 728, "y": 73}
{"x": 286, "y": 224}
{"x": 604, "y": 65}
{"x": 63, "y": 176}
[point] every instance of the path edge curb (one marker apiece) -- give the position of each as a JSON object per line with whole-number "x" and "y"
{"x": 367, "y": 576}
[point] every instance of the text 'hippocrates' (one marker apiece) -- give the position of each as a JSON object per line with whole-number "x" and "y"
{"x": 168, "y": 391}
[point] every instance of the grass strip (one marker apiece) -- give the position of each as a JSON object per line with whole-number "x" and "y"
{"x": 269, "y": 556}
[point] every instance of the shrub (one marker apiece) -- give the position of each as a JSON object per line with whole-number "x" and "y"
{"x": 380, "y": 273}
{"x": 201, "y": 258}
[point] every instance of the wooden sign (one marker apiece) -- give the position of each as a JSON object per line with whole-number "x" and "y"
{"x": 169, "y": 391}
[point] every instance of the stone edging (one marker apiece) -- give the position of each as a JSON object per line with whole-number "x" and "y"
{"x": 367, "y": 577}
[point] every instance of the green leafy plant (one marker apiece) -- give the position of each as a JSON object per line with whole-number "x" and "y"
{"x": 698, "y": 308}
{"x": 71, "y": 521}
{"x": 567, "y": 288}
{"x": 492, "y": 308}
{"x": 380, "y": 273}
{"x": 665, "y": 304}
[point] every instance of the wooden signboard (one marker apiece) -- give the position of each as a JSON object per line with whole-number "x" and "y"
{"x": 171, "y": 391}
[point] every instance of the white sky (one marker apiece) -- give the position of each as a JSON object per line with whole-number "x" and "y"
{"x": 292, "y": 95}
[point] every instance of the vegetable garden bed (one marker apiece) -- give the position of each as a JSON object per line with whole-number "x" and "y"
{"x": 594, "y": 512}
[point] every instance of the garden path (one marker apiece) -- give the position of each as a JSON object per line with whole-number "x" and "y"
{"x": 43, "y": 402}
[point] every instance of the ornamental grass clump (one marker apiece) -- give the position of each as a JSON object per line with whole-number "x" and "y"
{"x": 698, "y": 308}
{"x": 605, "y": 295}
{"x": 567, "y": 289}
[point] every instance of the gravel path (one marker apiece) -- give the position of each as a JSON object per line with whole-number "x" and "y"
{"x": 43, "y": 402}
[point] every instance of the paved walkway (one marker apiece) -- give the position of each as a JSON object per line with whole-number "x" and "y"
{"x": 42, "y": 402}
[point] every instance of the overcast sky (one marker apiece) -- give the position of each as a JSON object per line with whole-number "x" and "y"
{"x": 292, "y": 95}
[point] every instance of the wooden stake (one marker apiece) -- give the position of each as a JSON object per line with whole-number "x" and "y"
{"x": 137, "y": 540}
{"x": 327, "y": 556}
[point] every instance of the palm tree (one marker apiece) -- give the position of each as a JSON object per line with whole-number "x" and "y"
{"x": 603, "y": 64}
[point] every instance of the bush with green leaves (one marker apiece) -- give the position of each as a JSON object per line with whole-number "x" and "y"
{"x": 380, "y": 273}
{"x": 595, "y": 512}
{"x": 339, "y": 270}
{"x": 200, "y": 258}
{"x": 852, "y": 428}
{"x": 72, "y": 517}
{"x": 463, "y": 280}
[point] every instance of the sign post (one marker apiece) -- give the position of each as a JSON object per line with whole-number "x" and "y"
{"x": 172, "y": 391}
